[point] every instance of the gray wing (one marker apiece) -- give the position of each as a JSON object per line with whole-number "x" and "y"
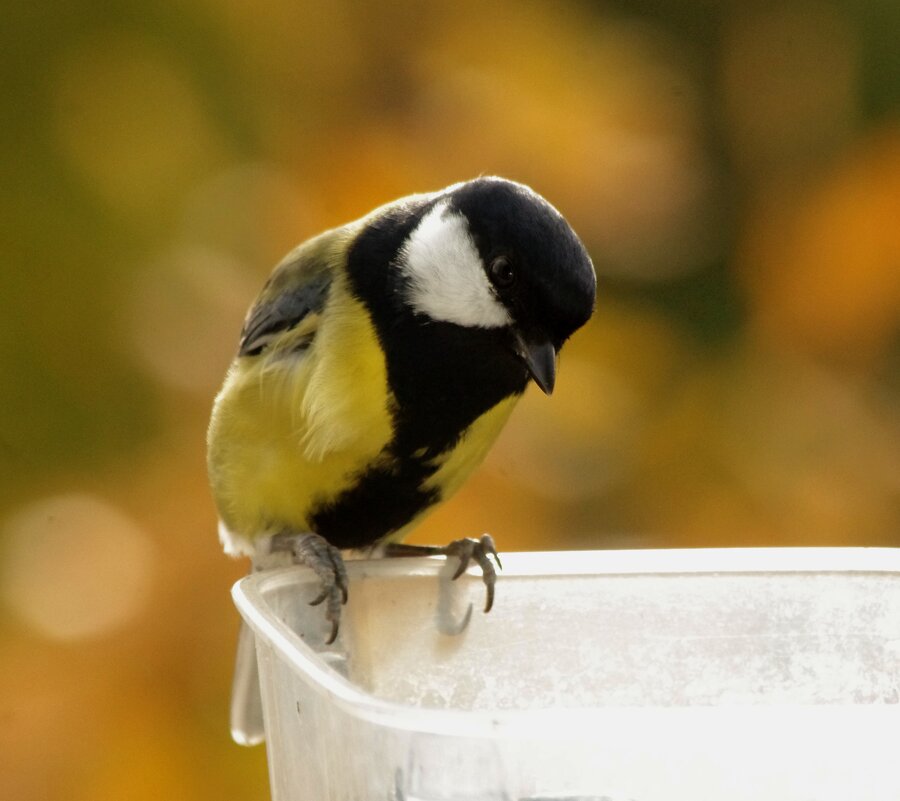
{"x": 297, "y": 288}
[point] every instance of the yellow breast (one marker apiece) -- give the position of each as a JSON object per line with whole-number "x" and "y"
{"x": 289, "y": 430}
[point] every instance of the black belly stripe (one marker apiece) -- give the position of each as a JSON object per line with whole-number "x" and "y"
{"x": 383, "y": 499}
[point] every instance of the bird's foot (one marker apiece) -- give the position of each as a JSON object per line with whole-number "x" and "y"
{"x": 326, "y": 562}
{"x": 466, "y": 549}
{"x": 480, "y": 550}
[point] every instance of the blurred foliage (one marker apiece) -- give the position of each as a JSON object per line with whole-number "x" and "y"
{"x": 734, "y": 169}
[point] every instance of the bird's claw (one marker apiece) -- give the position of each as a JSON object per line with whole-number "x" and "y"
{"x": 481, "y": 550}
{"x": 467, "y": 549}
{"x": 326, "y": 562}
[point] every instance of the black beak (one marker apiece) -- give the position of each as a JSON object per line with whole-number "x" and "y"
{"x": 540, "y": 359}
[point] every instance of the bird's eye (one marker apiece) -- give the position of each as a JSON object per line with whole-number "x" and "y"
{"x": 502, "y": 272}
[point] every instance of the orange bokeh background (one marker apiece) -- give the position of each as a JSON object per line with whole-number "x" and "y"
{"x": 734, "y": 171}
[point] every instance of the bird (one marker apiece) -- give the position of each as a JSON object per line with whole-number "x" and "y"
{"x": 377, "y": 366}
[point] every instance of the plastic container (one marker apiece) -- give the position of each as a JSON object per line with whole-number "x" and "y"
{"x": 764, "y": 674}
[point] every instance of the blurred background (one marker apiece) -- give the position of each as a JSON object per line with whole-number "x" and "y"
{"x": 734, "y": 169}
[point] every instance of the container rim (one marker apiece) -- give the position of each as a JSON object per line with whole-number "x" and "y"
{"x": 249, "y": 595}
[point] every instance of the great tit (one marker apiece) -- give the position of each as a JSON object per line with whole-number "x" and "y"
{"x": 377, "y": 366}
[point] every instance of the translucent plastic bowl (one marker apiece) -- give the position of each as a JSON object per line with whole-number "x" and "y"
{"x": 771, "y": 675}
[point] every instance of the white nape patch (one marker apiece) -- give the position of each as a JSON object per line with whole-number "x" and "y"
{"x": 447, "y": 281}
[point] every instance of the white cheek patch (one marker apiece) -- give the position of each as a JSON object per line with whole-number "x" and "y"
{"x": 447, "y": 281}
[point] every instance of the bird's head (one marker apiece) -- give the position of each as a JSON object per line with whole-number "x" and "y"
{"x": 490, "y": 253}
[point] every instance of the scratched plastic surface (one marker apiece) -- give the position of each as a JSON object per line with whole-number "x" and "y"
{"x": 598, "y": 676}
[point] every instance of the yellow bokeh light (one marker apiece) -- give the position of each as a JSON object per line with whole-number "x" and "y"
{"x": 130, "y": 123}
{"x": 75, "y": 567}
{"x": 182, "y": 314}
